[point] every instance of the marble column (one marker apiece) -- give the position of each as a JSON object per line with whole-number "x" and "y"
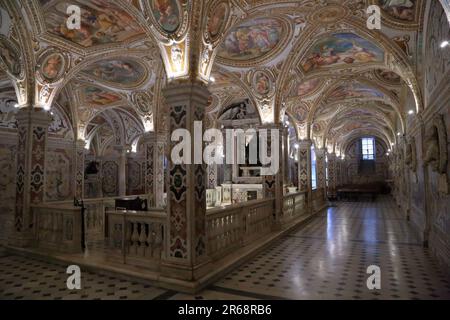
{"x": 304, "y": 165}
{"x": 186, "y": 239}
{"x": 227, "y": 168}
{"x": 154, "y": 168}
{"x": 122, "y": 174}
{"x": 338, "y": 171}
{"x": 273, "y": 184}
{"x": 32, "y": 127}
{"x": 304, "y": 170}
{"x": 320, "y": 171}
{"x": 285, "y": 153}
{"x": 79, "y": 151}
{"x": 212, "y": 176}
{"x": 332, "y": 175}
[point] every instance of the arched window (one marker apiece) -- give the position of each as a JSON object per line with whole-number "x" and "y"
{"x": 368, "y": 148}
{"x": 313, "y": 169}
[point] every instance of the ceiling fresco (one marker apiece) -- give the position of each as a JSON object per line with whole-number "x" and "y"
{"x": 354, "y": 90}
{"x": 313, "y": 60}
{"x": 252, "y": 39}
{"x": 341, "y": 49}
{"x": 96, "y": 96}
{"x": 124, "y": 72}
{"x": 102, "y": 22}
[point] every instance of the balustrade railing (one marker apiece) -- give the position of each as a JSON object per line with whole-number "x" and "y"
{"x": 95, "y": 224}
{"x": 137, "y": 238}
{"x": 58, "y": 228}
{"x": 234, "y": 226}
{"x": 294, "y": 206}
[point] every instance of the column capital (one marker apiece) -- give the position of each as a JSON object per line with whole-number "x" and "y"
{"x": 80, "y": 144}
{"x": 152, "y": 137}
{"x": 304, "y": 144}
{"x": 180, "y": 93}
{"x": 34, "y": 116}
{"x": 320, "y": 152}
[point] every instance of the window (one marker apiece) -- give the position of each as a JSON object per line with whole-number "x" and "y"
{"x": 368, "y": 148}
{"x": 313, "y": 169}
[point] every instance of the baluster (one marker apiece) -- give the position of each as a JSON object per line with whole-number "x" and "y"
{"x": 142, "y": 239}
{"x": 135, "y": 237}
{"x": 151, "y": 239}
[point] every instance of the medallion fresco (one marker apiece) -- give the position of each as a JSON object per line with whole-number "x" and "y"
{"x": 252, "y": 39}
{"x": 341, "y": 49}
{"x": 388, "y": 76}
{"x": 102, "y": 22}
{"x": 166, "y": 14}
{"x": 10, "y": 57}
{"x": 217, "y": 20}
{"x": 125, "y": 72}
{"x": 404, "y": 10}
{"x": 351, "y": 91}
{"x": 99, "y": 97}
{"x": 262, "y": 83}
{"x": 52, "y": 66}
{"x": 308, "y": 87}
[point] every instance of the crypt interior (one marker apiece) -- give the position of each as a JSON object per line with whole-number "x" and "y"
{"x": 91, "y": 92}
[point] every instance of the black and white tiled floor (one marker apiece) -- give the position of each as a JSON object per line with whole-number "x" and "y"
{"x": 325, "y": 259}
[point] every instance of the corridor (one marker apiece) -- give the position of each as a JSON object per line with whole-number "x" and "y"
{"x": 326, "y": 258}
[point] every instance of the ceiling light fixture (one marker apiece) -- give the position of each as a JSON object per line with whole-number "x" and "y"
{"x": 411, "y": 112}
{"x": 212, "y": 79}
{"x": 444, "y": 44}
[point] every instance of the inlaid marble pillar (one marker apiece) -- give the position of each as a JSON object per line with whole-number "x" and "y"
{"x": 332, "y": 175}
{"x": 122, "y": 174}
{"x": 304, "y": 165}
{"x": 32, "y": 127}
{"x": 154, "y": 168}
{"x": 320, "y": 171}
{"x": 79, "y": 151}
{"x": 212, "y": 176}
{"x": 304, "y": 170}
{"x": 227, "y": 168}
{"x": 338, "y": 172}
{"x": 273, "y": 184}
{"x": 186, "y": 241}
{"x": 285, "y": 153}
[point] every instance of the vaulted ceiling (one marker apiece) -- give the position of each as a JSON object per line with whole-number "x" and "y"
{"x": 313, "y": 60}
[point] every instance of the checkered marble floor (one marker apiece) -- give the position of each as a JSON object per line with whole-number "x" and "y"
{"x": 324, "y": 259}
{"x": 328, "y": 259}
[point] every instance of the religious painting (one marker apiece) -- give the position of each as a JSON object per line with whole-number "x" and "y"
{"x": 341, "y": 49}
{"x": 52, "y": 66}
{"x": 102, "y": 22}
{"x": 7, "y": 186}
{"x": 261, "y": 83}
{"x": 110, "y": 178}
{"x": 58, "y": 179}
{"x": 300, "y": 113}
{"x": 123, "y": 72}
{"x": 351, "y": 91}
{"x": 8, "y": 113}
{"x": 252, "y": 39}
{"x": 400, "y": 9}
{"x": 388, "y": 76}
{"x": 10, "y": 57}
{"x": 308, "y": 87}
{"x": 167, "y": 14}
{"x": 217, "y": 20}
{"x": 99, "y": 97}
